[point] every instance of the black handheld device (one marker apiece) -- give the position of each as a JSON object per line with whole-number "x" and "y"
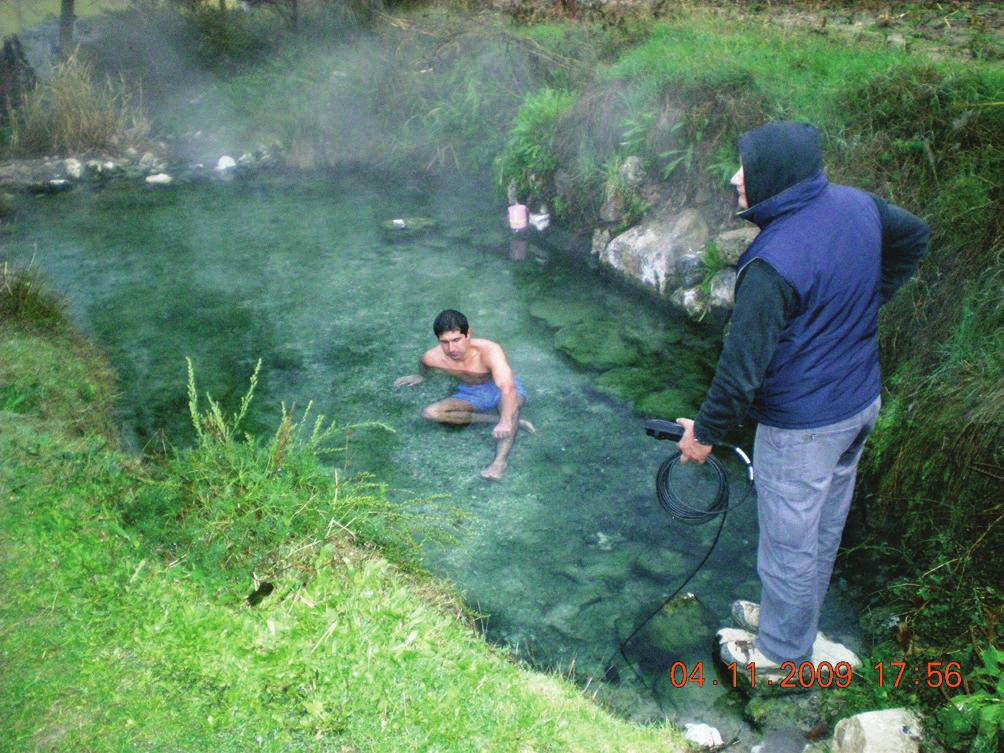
{"x": 660, "y": 428}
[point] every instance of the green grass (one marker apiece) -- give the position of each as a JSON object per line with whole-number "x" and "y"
{"x": 125, "y": 625}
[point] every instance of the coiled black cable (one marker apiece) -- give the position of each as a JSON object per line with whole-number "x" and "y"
{"x": 688, "y": 514}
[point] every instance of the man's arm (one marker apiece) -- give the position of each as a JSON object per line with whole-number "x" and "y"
{"x": 509, "y": 403}
{"x": 764, "y": 305}
{"x": 412, "y": 379}
{"x": 904, "y": 242}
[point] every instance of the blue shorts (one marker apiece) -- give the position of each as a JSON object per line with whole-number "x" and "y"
{"x": 485, "y": 396}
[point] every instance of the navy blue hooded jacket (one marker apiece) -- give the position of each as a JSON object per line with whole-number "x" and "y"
{"x": 802, "y": 350}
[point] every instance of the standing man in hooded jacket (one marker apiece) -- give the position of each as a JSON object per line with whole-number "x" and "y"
{"x": 801, "y": 358}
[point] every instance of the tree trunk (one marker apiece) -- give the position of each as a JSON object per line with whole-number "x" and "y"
{"x": 223, "y": 6}
{"x": 66, "y": 20}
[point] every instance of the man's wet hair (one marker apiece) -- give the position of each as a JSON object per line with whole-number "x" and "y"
{"x": 450, "y": 321}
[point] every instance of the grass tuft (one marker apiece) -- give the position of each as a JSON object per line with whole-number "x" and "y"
{"x": 70, "y": 113}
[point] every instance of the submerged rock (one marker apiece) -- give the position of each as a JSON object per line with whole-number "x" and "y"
{"x": 160, "y": 179}
{"x": 680, "y": 628}
{"x": 671, "y": 403}
{"x": 559, "y": 312}
{"x": 801, "y": 711}
{"x": 633, "y": 383}
{"x": 597, "y": 345}
{"x": 661, "y": 565}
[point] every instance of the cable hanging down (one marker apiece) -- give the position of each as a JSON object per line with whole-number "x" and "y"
{"x": 686, "y": 513}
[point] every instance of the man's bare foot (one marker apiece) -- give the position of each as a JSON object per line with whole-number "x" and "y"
{"x": 494, "y": 471}
{"x": 527, "y": 426}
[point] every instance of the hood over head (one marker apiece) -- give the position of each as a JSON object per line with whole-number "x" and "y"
{"x": 776, "y": 156}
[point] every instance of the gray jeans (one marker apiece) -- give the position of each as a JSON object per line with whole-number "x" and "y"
{"x": 804, "y": 480}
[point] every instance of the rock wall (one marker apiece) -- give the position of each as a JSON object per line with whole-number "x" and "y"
{"x": 683, "y": 253}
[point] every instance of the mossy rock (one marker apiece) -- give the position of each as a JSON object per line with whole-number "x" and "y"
{"x": 680, "y": 628}
{"x": 558, "y": 313}
{"x": 770, "y": 708}
{"x": 598, "y": 345}
{"x": 633, "y": 383}
{"x": 671, "y": 403}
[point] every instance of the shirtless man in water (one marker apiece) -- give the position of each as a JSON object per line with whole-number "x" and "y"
{"x": 486, "y": 383}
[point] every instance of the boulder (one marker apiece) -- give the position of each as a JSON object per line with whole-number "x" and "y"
{"x": 690, "y": 300}
{"x": 721, "y": 295}
{"x": 690, "y": 269}
{"x": 733, "y": 243}
{"x": 160, "y": 179}
{"x": 887, "y": 731}
{"x": 650, "y": 251}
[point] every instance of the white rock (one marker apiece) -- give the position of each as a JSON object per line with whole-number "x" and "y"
{"x": 704, "y": 735}
{"x": 649, "y": 252}
{"x": 824, "y": 649}
{"x": 540, "y": 221}
{"x": 887, "y": 731}
{"x": 160, "y": 179}
{"x": 225, "y": 162}
{"x": 73, "y": 168}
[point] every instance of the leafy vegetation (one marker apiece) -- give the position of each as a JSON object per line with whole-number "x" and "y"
{"x": 528, "y": 160}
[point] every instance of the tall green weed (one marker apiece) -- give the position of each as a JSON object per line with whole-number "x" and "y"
{"x": 237, "y": 504}
{"x": 529, "y": 159}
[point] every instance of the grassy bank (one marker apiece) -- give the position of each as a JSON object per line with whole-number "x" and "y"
{"x": 126, "y": 621}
